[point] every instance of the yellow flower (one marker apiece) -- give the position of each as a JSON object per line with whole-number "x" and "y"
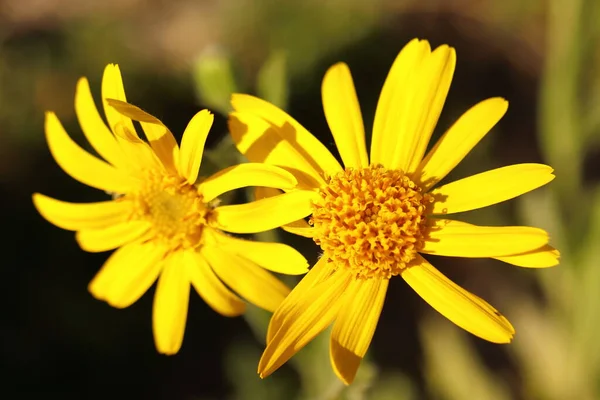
{"x": 375, "y": 216}
{"x": 160, "y": 220}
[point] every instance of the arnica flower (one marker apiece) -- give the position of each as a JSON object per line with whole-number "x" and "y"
{"x": 374, "y": 217}
{"x": 159, "y": 220}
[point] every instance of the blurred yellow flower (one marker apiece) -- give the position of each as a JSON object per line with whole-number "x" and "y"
{"x": 373, "y": 217}
{"x": 160, "y": 219}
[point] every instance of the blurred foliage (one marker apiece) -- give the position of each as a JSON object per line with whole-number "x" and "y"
{"x": 182, "y": 56}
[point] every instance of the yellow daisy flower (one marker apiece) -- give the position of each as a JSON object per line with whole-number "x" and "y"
{"x": 374, "y": 216}
{"x": 159, "y": 220}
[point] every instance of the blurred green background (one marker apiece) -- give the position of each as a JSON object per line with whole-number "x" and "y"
{"x": 178, "y": 57}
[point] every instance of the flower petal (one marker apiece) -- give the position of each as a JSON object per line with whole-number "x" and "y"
{"x": 80, "y": 164}
{"x": 159, "y": 136}
{"x": 309, "y": 316}
{"x": 289, "y": 129}
{"x": 463, "y": 308}
{"x": 128, "y": 274}
{"x": 544, "y": 257}
{"x": 210, "y": 288}
{"x": 135, "y": 149}
{"x": 425, "y": 96}
{"x": 344, "y": 117}
{"x": 75, "y": 216}
{"x": 112, "y": 88}
{"x": 243, "y": 175}
{"x": 317, "y": 274}
{"x": 355, "y": 325}
{"x": 171, "y": 299}
{"x": 299, "y": 227}
{"x": 192, "y": 144}
{"x": 111, "y": 237}
{"x": 459, "y": 239}
{"x": 458, "y": 141}
{"x": 94, "y": 128}
{"x": 490, "y": 187}
{"x": 265, "y": 214}
{"x": 250, "y": 281}
{"x": 394, "y": 102}
{"x": 261, "y": 142}
{"x": 276, "y": 257}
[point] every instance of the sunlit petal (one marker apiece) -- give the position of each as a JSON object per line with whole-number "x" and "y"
{"x": 465, "y": 309}
{"x": 111, "y": 237}
{"x": 75, "y": 216}
{"x": 169, "y": 313}
{"x": 544, "y": 257}
{"x": 458, "y": 141}
{"x": 490, "y": 187}
{"x": 394, "y": 102}
{"x": 192, "y": 144}
{"x": 243, "y": 175}
{"x": 265, "y": 214}
{"x": 80, "y": 164}
{"x": 94, "y": 128}
{"x": 344, "y": 117}
{"x": 276, "y": 257}
{"x": 210, "y": 287}
{"x": 459, "y": 239}
{"x": 246, "y": 278}
{"x": 310, "y": 315}
{"x": 128, "y": 274}
{"x": 355, "y": 325}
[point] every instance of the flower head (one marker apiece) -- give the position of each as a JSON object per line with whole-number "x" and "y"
{"x": 374, "y": 217}
{"x": 160, "y": 220}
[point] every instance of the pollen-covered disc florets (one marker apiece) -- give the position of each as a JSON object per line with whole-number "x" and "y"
{"x": 370, "y": 221}
{"x": 174, "y": 208}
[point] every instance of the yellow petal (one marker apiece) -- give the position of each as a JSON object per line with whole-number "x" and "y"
{"x": 425, "y": 97}
{"x": 75, "y": 216}
{"x": 458, "y": 141}
{"x": 394, "y": 102}
{"x": 265, "y": 214}
{"x": 210, "y": 288}
{"x": 355, "y": 325}
{"x": 128, "y": 274}
{"x": 309, "y": 316}
{"x": 343, "y": 116}
{"x": 159, "y": 136}
{"x": 459, "y": 239}
{"x": 192, "y": 144}
{"x": 288, "y": 129}
{"x": 463, "y": 308}
{"x": 243, "y": 175}
{"x": 250, "y": 281}
{"x": 544, "y": 257}
{"x": 299, "y": 227}
{"x": 136, "y": 150}
{"x": 169, "y": 313}
{"x": 276, "y": 257}
{"x": 94, "y": 128}
{"x": 317, "y": 274}
{"x": 261, "y": 142}
{"x": 490, "y": 187}
{"x": 112, "y": 88}
{"x": 111, "y": 237}
{"x": 80, "y": 164}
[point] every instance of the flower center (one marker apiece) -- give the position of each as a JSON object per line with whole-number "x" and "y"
{"x": 370, "y": 221}
{"x": 175, "y": 209}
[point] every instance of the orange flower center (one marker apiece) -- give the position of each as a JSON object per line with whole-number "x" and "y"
{"x": 175, "y": 209}
{"x": 371, "y": 221}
